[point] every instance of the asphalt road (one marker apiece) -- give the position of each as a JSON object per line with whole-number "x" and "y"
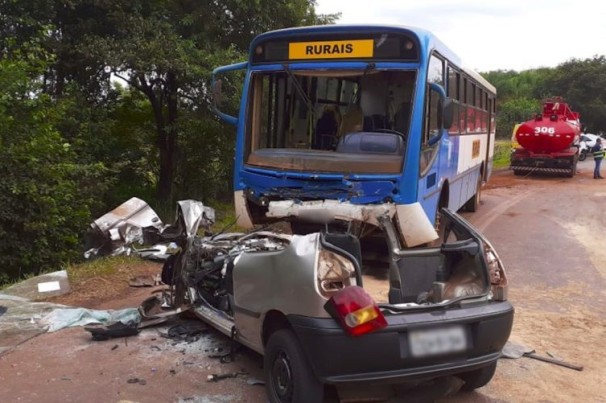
{"x": 549, "y": 233}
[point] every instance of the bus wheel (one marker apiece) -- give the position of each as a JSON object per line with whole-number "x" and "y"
{"x": 473, "y": 203}
{"x": 440, "y": 227}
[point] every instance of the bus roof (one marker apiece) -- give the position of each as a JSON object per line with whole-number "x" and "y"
{"x": 427, "y": 40}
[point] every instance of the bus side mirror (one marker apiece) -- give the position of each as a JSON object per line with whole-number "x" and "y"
{"x": 444, "y": 109}
{"x": 447, "y": 113}
{"x": 217, "y": 90}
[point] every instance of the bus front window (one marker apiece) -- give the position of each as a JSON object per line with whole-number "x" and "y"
{"x": 330, "y": 121}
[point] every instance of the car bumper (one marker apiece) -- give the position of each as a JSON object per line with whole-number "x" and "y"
{"x": 337, "y": 357}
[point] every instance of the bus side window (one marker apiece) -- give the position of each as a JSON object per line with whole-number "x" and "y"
{"x": 429, "y": 145}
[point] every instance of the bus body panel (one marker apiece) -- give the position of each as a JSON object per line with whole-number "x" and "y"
{"x": 461, "y": 158}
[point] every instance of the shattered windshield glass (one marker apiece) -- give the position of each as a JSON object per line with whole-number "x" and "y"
{"x": 327, "y": 120}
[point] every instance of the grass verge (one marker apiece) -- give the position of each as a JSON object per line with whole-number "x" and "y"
{"x": 502, "y": 153}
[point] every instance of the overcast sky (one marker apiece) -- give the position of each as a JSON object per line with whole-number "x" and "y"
{"x": 493, "y": 34}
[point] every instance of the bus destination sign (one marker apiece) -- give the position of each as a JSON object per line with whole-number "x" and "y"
{"x": 360, "y": 48}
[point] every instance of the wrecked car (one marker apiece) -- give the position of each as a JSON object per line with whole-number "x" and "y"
{"x": 319, "y": 316}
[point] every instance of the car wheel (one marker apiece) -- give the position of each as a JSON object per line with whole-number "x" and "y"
{"x": 582, "y": 155}
{"x": 288, "y": 375}
{"x": 478, "y": 378}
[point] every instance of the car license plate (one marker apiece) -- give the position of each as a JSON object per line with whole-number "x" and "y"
{"x": 437, "y": 341}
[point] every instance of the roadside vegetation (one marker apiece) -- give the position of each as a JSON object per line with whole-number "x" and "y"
{"x": 102, "y": 101}
{"x": 502, "y": 152}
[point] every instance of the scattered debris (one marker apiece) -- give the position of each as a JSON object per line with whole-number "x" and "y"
{"x": 137, "y": 380}
{"x": 216, "y": 377}
{"x": 255, "y": 381}
{"x": 69, "y": 317}
{"x": 111, "y": 233}
{"x": 155, "y": 306}
{"x": 134, "y": 221}
{"x": 114, "y": 347}
{"x": 514, "y": 351}
{"x": 2, "y": 310}
{"x": 158, "y": 252}
{"x": 42, "y": 286}
{"x": 144, "y": 281}
{"x": 20, "y": 320}
{"x": 113, "y": 330}
{"x": 228, "y": 357}
{"x": 154, "y": 311}
{"x": 188, "y": 332}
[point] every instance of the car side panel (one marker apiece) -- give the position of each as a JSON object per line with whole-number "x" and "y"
{"x": 283, "y": 281}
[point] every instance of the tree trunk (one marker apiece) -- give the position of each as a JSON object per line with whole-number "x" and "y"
{"x": 168, "y": 141}
{"x": 166, "y": 129}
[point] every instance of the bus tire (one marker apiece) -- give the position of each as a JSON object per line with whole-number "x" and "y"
{"x": 440, "y": 227}
{"x": 473, "y": 204}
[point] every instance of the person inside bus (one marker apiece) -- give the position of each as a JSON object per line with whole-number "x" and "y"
{"x": 326, "y": 129}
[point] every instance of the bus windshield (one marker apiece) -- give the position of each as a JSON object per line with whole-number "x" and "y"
{"x": 354, "y": 121}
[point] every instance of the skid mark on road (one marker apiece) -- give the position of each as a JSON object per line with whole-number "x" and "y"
{"x": 495, "y": 212}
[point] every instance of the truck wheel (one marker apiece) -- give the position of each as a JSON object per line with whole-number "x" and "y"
{"x": 288, "y": 375}
{"x": 517, "y": 172}
{"x": 478, "y": 378}
{"x": 473, "y": 203}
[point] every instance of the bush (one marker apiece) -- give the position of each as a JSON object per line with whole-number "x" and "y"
{"x": 46, "y": 195}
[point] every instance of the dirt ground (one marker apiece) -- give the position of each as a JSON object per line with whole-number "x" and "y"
{"x": 553, "y": 249}
{"x": 68, "y": 366}
{"x": 557, "y": 312}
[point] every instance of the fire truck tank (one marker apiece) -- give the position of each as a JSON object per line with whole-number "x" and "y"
{"x": 556, "y": 129}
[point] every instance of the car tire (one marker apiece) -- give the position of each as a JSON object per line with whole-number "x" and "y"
{"x": 478, "y": 378}
{"x": 582, "y": 155}
{"x": 288, "y": 375}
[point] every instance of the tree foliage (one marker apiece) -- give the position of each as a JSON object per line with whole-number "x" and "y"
{"x": 74, "y": 142}
{"x": 167, "y": 49}
{"x": 582, "y": 83}
{"x": 46, "y": 193}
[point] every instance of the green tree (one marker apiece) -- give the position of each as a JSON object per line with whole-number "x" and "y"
{"x": 46, "y": 195}
{"x": 582, "y": 83}
{"x": 167, "y": 49}
{"x": 515, "y": 110}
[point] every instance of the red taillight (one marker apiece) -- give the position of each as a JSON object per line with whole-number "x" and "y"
{"x": 356, "y": 311}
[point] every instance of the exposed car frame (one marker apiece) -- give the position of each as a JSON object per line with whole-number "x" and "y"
{"x": 299, "y": 301}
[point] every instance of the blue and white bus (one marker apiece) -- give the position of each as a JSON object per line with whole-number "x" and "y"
{"x": 339, "y": 116}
